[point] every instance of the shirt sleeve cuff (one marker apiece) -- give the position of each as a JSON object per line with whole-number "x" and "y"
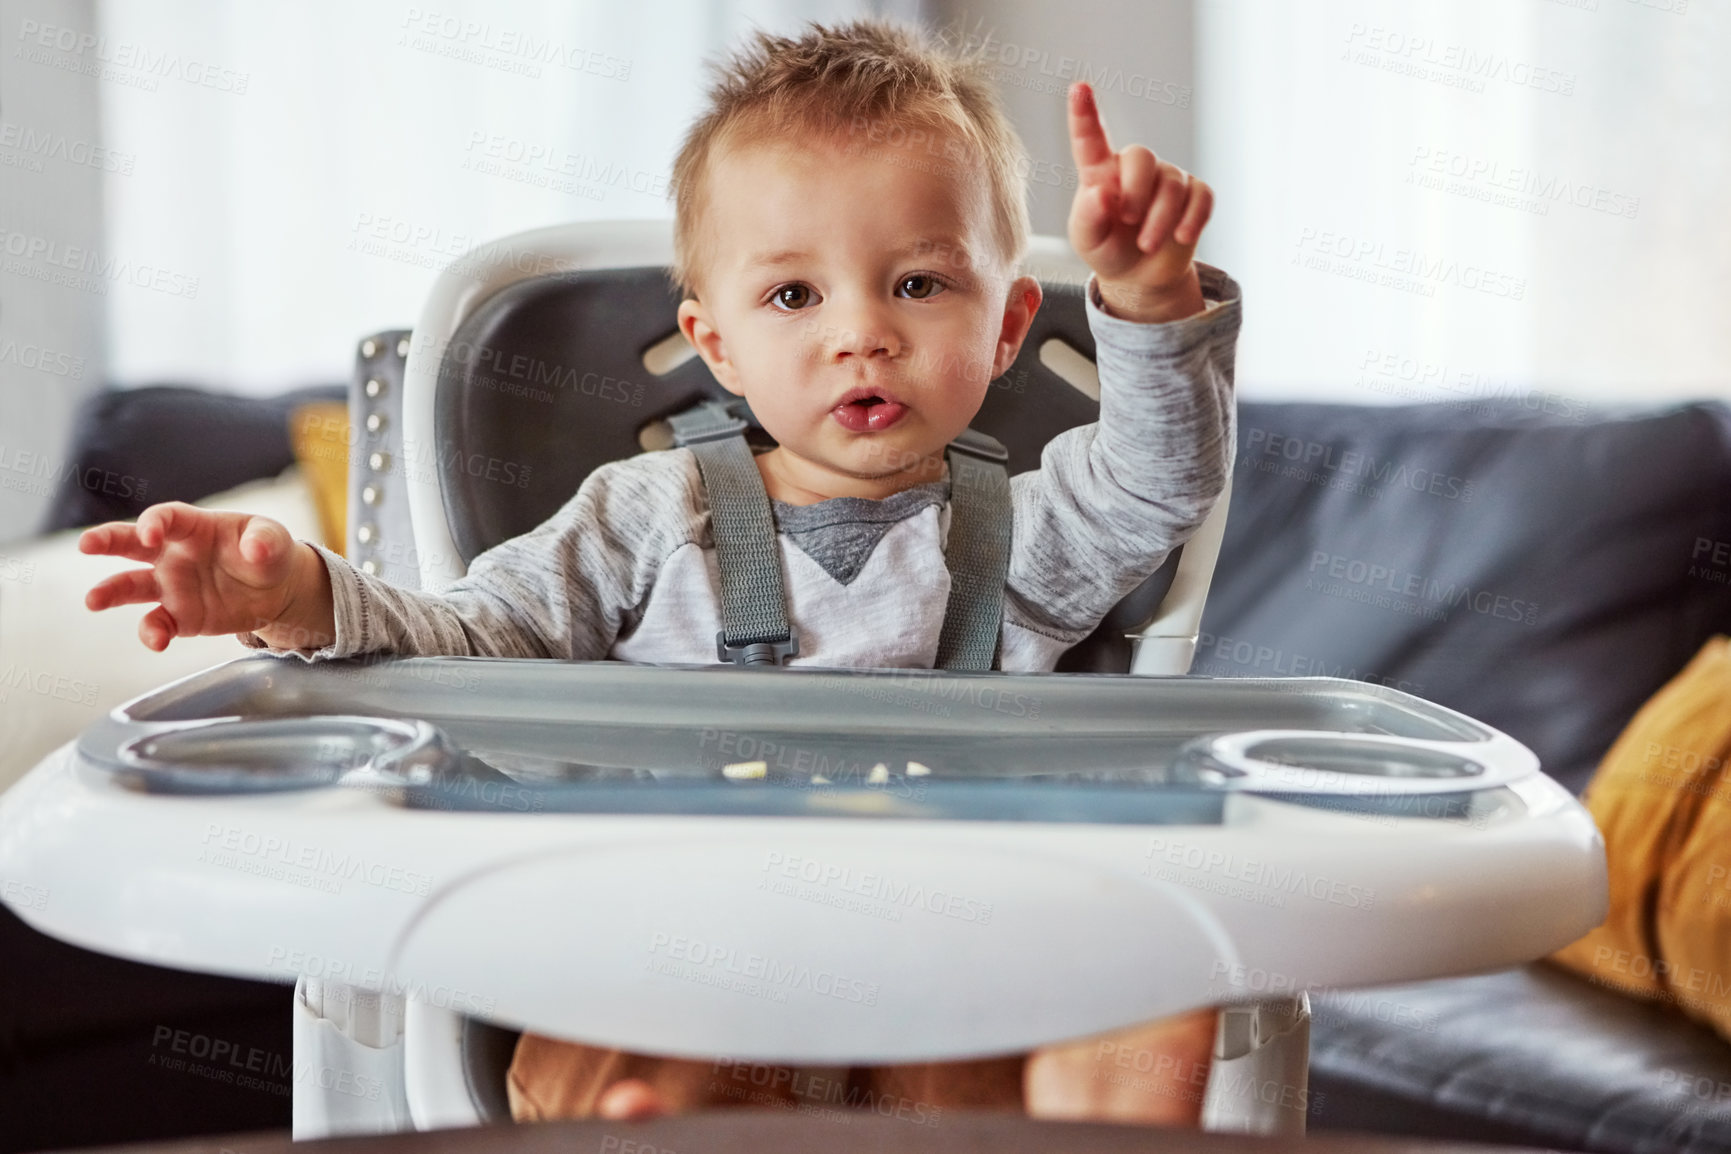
{"x": 1220, "y": 315}
{"x": 345, "y": 602}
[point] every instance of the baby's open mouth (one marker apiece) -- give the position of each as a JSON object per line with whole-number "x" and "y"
{"x": 868, "y": 411}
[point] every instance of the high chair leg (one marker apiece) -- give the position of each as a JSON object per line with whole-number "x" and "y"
{"x": 1261, "y": 1075}
{"x": 348, "y": 1062}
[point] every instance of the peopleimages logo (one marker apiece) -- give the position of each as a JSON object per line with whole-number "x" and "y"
{"x": 287, "y": 858}
{"x": 1543, "y": 188}
{"x": 895, "y": 894}
{"x": 43, "y": 360}
{"x": 1458, "y": 65}
{"x": 1316, "y": 459}
{"x": 85, "y": 269}
{"x": 1276, "y": 879}
{"x": 1054, "y": 74}
{"x": 1408, "y": 269}
{"x": 481, "y": 42}
{"x": 710, "y": 963}
{"x": 1272, "y": 661}
{"x": 137, "y": 65}
{"x": 36, "y": 145}
{"x": 1359, "y": 580}
{"x": 59, "y": 686}
{"x": 1710, "y": 560}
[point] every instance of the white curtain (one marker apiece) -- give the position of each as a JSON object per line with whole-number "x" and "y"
{"x": 302, "y": 170}
{"x": 1442, "y": 199}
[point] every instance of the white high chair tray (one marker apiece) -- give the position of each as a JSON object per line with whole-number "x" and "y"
{"x": 799, "y": 865}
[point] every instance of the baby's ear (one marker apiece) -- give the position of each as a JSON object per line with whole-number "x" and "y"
{"x": 695, "y": 324}
{"x": 1021, "y": 303}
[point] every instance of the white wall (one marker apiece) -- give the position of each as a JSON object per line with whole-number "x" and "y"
{"x": 344, "y": 152}
{"x": 51, "y": 311}
{"x": 299, "y": 171}
{"x": 1136, "y": 53}
{"x": 1576, "y": 242}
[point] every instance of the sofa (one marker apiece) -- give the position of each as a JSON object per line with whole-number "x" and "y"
{"x": 1544, "y": 567}
{"x": 1532, "y": 562}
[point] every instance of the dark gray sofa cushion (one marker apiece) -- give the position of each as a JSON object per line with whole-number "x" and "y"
{"x": 1544, "y": 573}
{"x": 1531, "y": 1055}
{"x": 134, "y": 448}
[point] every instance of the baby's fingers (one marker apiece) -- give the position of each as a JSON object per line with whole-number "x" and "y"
{"x": 1088, "y": 146}
{"x": 1139, "y": 171}
{"x": 1196, "y": 214}
{"x": 167, "y": 522}
{"x": 630, "y": 1100}
{"x": 157, "y": 629}
{"x": 264, "y": 547}
{"x": 128, "y": 588}
{"x": 1093, "y": 215}
{"x": 1170, "y": 198}
{"x": 116, "y": 539}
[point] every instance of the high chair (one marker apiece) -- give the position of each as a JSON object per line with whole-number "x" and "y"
{"x": 564, "y": 847}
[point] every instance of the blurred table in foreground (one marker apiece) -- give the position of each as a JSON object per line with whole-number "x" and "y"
{"x": 769, "y": 1132}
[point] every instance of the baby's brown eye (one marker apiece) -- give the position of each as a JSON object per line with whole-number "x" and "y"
{"x": 793, "y": 296}
{"x": 923, "y": 286}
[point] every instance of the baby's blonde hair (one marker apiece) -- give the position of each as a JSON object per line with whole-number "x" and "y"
{"x": 868, "y": 82}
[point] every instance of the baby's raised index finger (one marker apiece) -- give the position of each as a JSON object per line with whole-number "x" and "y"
{"x": 1088, "y": 144}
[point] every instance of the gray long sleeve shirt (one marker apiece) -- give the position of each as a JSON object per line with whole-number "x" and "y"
{"x": 626, "y": 568}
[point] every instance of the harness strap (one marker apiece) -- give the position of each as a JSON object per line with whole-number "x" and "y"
{"x": 754, "y": 625}
{"x": 755, "y": 629}
{"x": 977, "y": 552}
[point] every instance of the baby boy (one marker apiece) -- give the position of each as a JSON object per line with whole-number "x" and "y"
{"x": 850, "y": 222}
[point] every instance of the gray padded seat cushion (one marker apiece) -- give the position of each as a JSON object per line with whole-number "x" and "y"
{"x": 1527, "y": 1055}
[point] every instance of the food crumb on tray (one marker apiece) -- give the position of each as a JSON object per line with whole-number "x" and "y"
{"x": 745, "y": 770}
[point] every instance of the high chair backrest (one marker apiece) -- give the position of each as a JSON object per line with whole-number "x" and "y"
{"x": 541, "y": 356}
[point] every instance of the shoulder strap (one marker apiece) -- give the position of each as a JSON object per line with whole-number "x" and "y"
{"x": 978, "y": 552}
{"x": 755, "y": 629}
{"x": 754, "y": 625}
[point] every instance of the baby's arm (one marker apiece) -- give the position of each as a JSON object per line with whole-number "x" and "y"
{"x": 343, "y": 611}
{"x": 1112, "y": 499}
{"x": 220, "y": 572}
{"x": 561, "y": 590}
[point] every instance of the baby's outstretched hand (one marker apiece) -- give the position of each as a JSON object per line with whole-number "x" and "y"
{"x": 1135, "y": 220}
{"x": 212, "y": 572}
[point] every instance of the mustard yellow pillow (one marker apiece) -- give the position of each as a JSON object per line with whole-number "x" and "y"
{"x": 1662, "y": 799}
{"x": 319, "y": 433}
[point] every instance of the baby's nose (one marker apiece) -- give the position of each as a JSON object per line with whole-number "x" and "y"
{"x": 865, "y": 345}
{"x": 865, "y": 336}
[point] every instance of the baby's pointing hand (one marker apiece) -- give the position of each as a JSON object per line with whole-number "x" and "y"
{"x": 1135, "y": 220}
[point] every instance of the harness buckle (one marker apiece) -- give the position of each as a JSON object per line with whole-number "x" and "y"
{"x": 750, "y": 653}
{"x": 984, "y": 446}
{"x": 710, "y": 421}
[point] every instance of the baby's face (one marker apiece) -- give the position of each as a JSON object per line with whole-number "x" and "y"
{"x": 859, "y": 305}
